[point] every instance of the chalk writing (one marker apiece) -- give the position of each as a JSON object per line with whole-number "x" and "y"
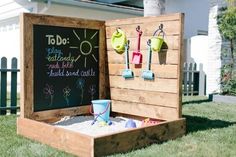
{"x": 68, "y": 58}
{"x": 60, "y": 65}
{"x": 88, "y": 73}
{"x": 53, "y": 50}
{"x": 66, "y": 66}
{"x": 56, "y": 40}
{"x": 57, "y": 72}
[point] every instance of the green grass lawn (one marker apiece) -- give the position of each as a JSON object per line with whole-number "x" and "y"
{"x": 211, "y": 132}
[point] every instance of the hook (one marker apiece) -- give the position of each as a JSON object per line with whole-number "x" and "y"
{"x": 138, "y": 29}
{"x": 127, "y": 44}
{"x": 161, "y": 27}
{"x": 149, "y": 42}
{"x": 117, "y": 29}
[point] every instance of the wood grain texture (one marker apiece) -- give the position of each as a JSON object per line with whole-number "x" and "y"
{"x": 145, "y": 110}
{"x": 171, "y": 41}
{"x": 22, "y": 73}
{"x": 26, "y": 67}
{"x": 138, "y": 20}
{"x": 158, "y": 99}
{"x": 138, "y": 138}
{"x": 159, "y": 85}
{"x": 63, "y": 21}
{"x": 102, "y": 64}
{"x": 59, "y": 113}
{"x": 56, "y": 137}
{"x": 166, "y": 66}
{"x": 180, "y": 67}
{"x": 160, "y": 71}
{"x": 27, "y": 63}
{"x": 169, "y": 57}
{"x": 145, "y": 97}
{"x": 171, "y": 28}
{"x": 86, "y": 146}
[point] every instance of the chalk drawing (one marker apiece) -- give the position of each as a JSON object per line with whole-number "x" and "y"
{"x": 49, "y": 93}
{"x": 66, "y": 94}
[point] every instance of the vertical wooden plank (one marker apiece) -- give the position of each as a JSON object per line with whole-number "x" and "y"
{"x": 22, "y": 67}
{"x": 102, "y": 63}
{"x": 26, "y": 94}
{"x": 190, "y": 77}
{"x": 3, "y": 89}
{"x": 13, "y": 85}
{"x": 180, "y": 67}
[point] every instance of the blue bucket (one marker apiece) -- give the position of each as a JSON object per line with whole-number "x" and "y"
{"x": 101, "y": 109}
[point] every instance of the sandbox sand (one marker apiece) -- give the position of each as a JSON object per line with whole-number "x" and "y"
{"x": 83, "y": 124}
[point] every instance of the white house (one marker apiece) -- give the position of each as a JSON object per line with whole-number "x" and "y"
{"x": 199, "y": 20}
{"x": 11, "y": 9}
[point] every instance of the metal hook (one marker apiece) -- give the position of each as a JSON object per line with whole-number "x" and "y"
{"x": 117, "y": 29}
{"x": 149, "y": 42}
{"x": 161, "y": 27}
{"x": 128, "y": 41}
{"x": 138, "y": 29}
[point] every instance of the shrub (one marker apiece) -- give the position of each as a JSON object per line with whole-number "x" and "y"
{"x": 227, "y": 28}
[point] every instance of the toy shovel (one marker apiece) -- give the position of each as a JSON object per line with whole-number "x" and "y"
{"x": 148, "y": 74}
{"x": 127, "y": 73}
{"x": 137, "y": 56}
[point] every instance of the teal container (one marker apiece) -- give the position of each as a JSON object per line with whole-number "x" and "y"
{"x": 101, "y": 109}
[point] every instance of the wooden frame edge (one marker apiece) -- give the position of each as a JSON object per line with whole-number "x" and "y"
{"x": 180, "y": 67}
{"x": 89, "y": 146}
{"x": 56, "y": 137}
{"x": 139, "y": 137}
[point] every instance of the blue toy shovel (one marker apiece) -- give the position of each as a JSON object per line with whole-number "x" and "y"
{"x": 148, "y": 74}
{"x": 127, "y": 73}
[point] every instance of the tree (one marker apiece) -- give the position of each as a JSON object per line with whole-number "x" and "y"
{"x": 227, "y": 28}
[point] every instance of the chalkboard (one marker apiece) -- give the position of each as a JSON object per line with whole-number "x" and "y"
{"x": 66, "y": 66}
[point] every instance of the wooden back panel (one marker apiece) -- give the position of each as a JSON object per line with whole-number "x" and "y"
{"x": 162, "y": 97}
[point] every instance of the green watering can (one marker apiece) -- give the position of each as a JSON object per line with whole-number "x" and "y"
{"x": 118, "y": 41}
{"x": 157, "y": 41}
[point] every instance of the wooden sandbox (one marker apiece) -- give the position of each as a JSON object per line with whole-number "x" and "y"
{"x": 136, "y": 98}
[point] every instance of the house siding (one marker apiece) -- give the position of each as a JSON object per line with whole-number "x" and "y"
{"x": 214, "y": 50}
